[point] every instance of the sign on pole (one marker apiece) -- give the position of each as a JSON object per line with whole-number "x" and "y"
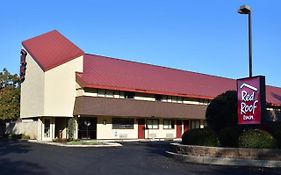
{"x": 251, "y": 100}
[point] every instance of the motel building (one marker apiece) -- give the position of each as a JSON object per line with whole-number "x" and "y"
{"x": 111, "y": 98}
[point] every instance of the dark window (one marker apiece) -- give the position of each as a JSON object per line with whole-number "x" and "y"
{"x": 158, "y": 97}
{"x": 195, "y": 124}
{"x": 152, "y": 124}
{"x": 129, "y": 94}
{"x": 87, "y": 128}
{"x": 168, "y": 124}
{"x": 122, "y": 123}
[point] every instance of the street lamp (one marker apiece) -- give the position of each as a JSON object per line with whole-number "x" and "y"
{"x": 246, "y": 10}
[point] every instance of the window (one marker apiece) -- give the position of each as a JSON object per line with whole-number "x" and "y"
{"x": 158, "y": 97}
{"x": 168, "y": 124}
{"x": 122, "y": 123}
{"x": 129, "y": 94}
{"x": 101, "y": 92}
{"x": 195, "y": 124}
{"x": 109, "y": 93}
{"x": 152, "y": 124}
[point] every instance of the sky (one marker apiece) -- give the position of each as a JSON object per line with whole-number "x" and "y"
{"x": 205, "y": 36}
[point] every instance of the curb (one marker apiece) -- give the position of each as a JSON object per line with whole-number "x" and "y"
{"x": 225, "y": 161}
{"x": 105, "y": 144}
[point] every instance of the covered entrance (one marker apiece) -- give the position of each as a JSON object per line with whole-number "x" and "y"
{"x": 48, "y": 128}
{"x": 87, "y": 128}
{"x": 60, "y": 127}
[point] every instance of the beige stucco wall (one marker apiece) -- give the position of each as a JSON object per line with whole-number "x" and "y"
{"x": 27, "y": 127}
{"x": 32, "y": 90}
{"x": 161, "y": 132}
{"x": 105, "y": 131}
{"x": 60, "y": 88}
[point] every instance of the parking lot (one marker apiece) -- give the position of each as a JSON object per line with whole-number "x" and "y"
{"x": 19, "y": 157}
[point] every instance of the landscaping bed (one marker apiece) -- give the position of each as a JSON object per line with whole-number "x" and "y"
{"x": 233, "y": 153}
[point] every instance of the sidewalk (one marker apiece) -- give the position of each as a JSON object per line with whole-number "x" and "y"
{"x": 102, "y": 144}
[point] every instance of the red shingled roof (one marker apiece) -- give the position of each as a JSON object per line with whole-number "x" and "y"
{"x": 51, "y": 49}
{"x": 116, "y": 74}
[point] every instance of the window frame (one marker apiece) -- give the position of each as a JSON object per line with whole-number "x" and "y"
{"x": 153, "y": 123}
{"x": 171, "y": 124}
{"x": 123, "y": 124}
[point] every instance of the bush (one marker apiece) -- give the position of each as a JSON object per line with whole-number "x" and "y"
{"x": 256, "y": 138}
{"x": 275, "y": 131}
{"x": 71, "y": 127}
{"x": 25, "y": 137}
{"x": 228, "y": 137}
{"x": 202, "y": 137}
{"x": 222, "y": 111}
{"x": 15, "y": 136}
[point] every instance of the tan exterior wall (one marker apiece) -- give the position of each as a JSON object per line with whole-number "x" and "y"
{"x": 32, "y": 90}
{"x": 105, "y": 131}
{"x": 161, "y": 132}
{"x": 27, "y": 127}
{"x": 60, "y": 88}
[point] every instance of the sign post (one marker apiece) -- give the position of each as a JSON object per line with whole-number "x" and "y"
{"x": 251, "y": 102}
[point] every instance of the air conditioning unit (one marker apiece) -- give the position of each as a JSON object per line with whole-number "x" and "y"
{"x": 169, "y": 135}
{"x": 123, "y": 136}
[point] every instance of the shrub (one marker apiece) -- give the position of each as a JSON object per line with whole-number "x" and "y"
{"x": 256, "y": 138}
{"x": 71, "y": 128}
{"x": 275, "y": 131}
{"x": 15, "y": 136}
{"x": 25, "y": 137}
{"x": 228, "y": 137}
{"x": 222, "y": 111}
{"x": 202, "y": 137}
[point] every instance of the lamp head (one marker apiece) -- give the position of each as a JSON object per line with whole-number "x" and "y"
{"x": 244, "y": 9}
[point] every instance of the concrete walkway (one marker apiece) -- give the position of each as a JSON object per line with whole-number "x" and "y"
{"x": 102, "y": 144}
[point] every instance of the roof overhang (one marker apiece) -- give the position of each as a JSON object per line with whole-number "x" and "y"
{"x": 100, "y": 106}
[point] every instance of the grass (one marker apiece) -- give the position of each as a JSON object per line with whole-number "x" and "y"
{"x": 84, "y": 142}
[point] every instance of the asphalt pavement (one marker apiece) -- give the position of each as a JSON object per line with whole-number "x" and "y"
{"x": 134, "y": 158}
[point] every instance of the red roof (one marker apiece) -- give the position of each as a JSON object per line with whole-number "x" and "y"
{"x": 116, "y": 74}
{"x": 51, "y": 49}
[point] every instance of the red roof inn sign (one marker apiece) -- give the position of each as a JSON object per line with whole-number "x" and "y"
{"x": 251, "y": 100}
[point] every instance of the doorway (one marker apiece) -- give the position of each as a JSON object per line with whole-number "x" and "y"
{"x": 141, "y": 128}
{"x": 48, "y": 129}
{"x": 87, "y": 128}
{"x": 179, "y": 128}
{"x": 60, "y": 127}
{"x": 185, "y": 125}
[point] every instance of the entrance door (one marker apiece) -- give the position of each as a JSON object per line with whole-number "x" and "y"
{"x": 87, "y": 128}
{"x": 179, "y": 128}
{"x": 47, "y": 129}
{"x": 141, "y": 129}
{"x": 186, "y": 125}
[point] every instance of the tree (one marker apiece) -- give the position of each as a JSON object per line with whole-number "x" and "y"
{"x": 222, "y": 111}
{"x": 9, "y": 95}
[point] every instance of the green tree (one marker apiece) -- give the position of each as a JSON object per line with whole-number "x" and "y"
{"x": 222, "y": 111}
{"x": 9, "y": 95}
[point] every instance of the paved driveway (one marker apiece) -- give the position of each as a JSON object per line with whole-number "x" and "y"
{"x": 133, "y": 158}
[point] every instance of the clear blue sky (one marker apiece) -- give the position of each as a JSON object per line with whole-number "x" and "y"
{"x": 206, "y": 36}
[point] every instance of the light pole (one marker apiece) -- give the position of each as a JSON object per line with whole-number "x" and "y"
{"x": 245, "y": 9}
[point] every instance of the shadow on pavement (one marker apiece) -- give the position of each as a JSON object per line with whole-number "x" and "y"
{"x": 8, "y": 166}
